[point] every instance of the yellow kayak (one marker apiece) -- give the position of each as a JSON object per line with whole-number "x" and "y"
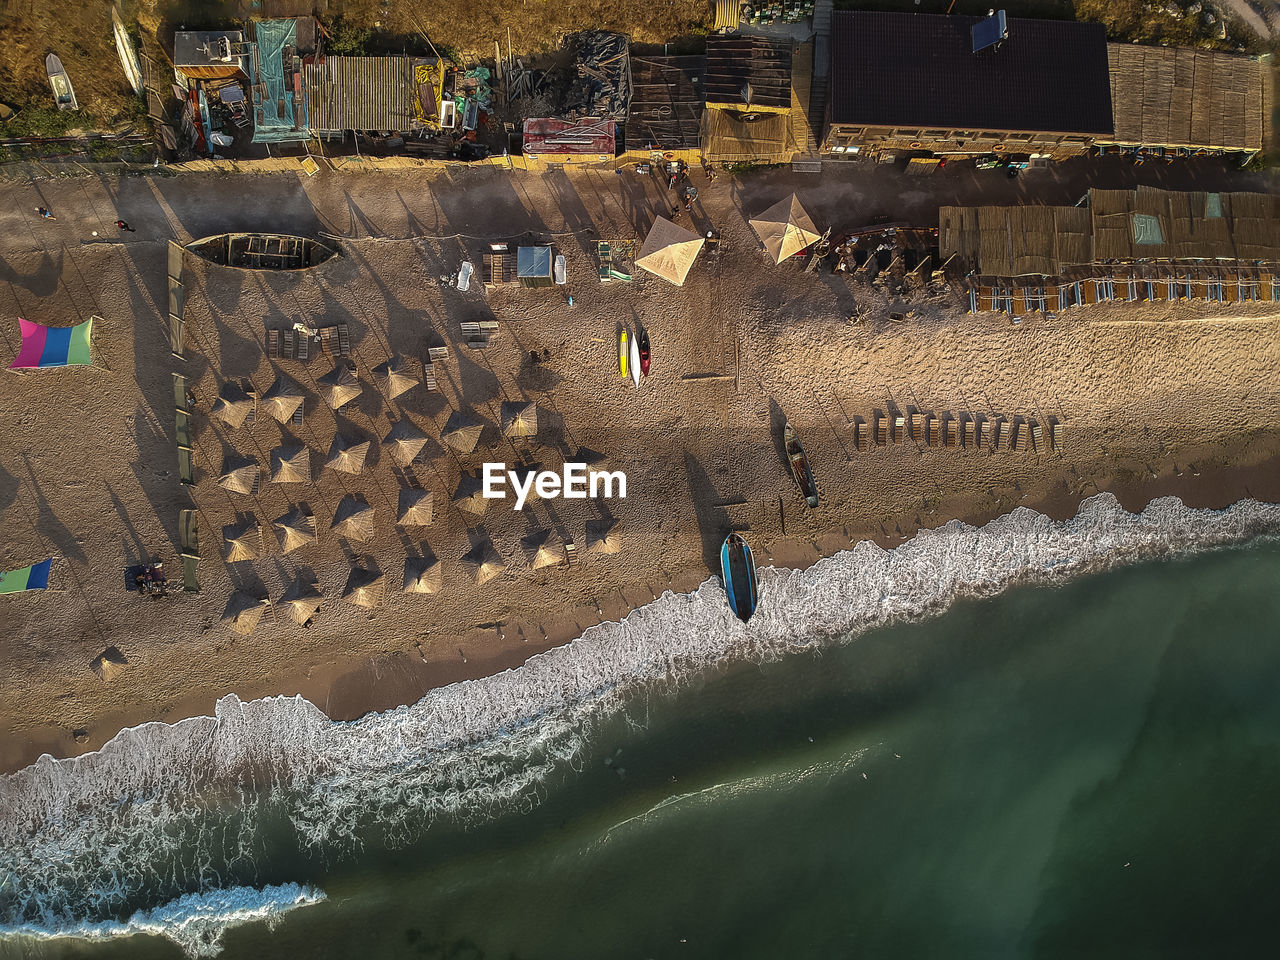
{"x": 622, "y": 352}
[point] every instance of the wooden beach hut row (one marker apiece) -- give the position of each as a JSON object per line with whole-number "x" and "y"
{"x": 959, "y": 430}
{"x": 1213, "y": 284}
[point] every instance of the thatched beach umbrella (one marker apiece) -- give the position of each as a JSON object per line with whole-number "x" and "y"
{"x": 297, "y": 528}
{"x": 301, "y": 600}
{"x": 544, "y": 548}
{"x": 232, "y": 406}
{"x": 243, "y": 540}
{"x": 365, "y": 588}
{"x": 469, "y": 496}
{"x": 785, "y": 229}
{"x": 462, "y": 432}
{"x": 519, "y": 420}
{"x": 604, "y": 536}
{"x": 239, "y": 474}
{"x": 354, "y": 518}
{"x": 282, "y": 400}
{"x": 291, "y": 463}
{"x": 109, "y": 664}
{"x": 483, "y": 562}
{"x": 339, "y": 386}
{"x": 415, "y": 507}
{"x": 669, "y": 251}
{"x": 422, "y": 575}
{"x": 404, "y": 442}
{"x": 394, "y": 377}
{"x": 243, "y": 612}
{"x": 347, "y": 454}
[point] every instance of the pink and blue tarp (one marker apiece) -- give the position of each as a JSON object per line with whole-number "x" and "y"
{"x": 52, "y": 346}
{"x": 34, "y": 577}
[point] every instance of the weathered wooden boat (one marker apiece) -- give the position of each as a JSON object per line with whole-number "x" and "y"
{"x": 64, "y": 95}
{"x": 799, "y": 464}
{"x": 262, "y": 251}
{"x": 128, "y": 53}
{"x": 738, "y": 569}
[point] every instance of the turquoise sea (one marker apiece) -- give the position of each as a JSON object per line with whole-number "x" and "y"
{"x": 1077, "y": 766}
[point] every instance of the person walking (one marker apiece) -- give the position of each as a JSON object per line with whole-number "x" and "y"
{"x": 125, "y": 226}
{"x": 46, "y": 213}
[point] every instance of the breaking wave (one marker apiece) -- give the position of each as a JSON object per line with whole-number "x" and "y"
{"x": 196, "y": 922}
{"x": 163, "y": 811}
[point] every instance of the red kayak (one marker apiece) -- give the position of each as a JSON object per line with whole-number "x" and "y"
{"x": 642, "y": 337}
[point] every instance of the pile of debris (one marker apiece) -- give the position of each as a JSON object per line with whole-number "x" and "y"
{"x": 602, "y": 85}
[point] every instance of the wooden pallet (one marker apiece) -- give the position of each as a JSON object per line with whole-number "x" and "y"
{"x": 436, "y": 354}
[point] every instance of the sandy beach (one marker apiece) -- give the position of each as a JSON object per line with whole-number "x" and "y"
{"x": 1166, "y": 399}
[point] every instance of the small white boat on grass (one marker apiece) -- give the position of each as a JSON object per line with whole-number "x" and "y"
{"x": 64, "y": 95}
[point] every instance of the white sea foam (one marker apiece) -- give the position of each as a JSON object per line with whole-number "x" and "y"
{"x": 166, "y": 809}
{"x": 196, "y": 922}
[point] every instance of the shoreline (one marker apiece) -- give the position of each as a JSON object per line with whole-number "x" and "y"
{"x": 347, "y": 691}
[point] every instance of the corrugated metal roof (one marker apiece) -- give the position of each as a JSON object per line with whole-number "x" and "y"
{"x": 586, "y": 136}
{"x": 360, "y": 93}
{"x": 919, "y": 70}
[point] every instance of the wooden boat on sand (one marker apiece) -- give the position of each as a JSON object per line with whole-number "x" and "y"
{"x": 262, "y": 251}
{"x": 63, "y": 93}
{"x": 738, "y": 569}
{"x": 799, "y": 464}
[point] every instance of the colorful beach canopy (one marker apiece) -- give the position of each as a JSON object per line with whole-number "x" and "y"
{"x": 52, "y": 346}
{"x": 34, "y": 577}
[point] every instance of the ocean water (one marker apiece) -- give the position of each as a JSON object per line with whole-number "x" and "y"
{"x": 1029, "y": 739}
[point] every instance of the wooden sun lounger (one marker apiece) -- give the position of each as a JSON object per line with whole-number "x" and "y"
{"x": 881, "y": 429}
{"x": 1055, "y": 435}
{"x": 429, "y": 377}
{"x": 915, "y": 426}
{"x": 1015, "y": 435}
{"x": 336, "y": 340}
{"x": 968, "y": 433}
{"x": 933, "y": 431}
{"x": 948, "y": 433}
{"x": 1037, "y": 435}
{"x": 899, "y": 428}
{"x": 273, "y": 344}
{"x": 188, "y": 535}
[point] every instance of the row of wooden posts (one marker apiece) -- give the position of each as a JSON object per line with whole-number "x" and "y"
{"x": 963, "y": 431}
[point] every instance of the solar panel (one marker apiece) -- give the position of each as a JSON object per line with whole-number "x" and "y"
{"x": 989, "y": 32}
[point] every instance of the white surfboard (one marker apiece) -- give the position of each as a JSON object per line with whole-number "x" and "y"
{"x": 635, "y": 360}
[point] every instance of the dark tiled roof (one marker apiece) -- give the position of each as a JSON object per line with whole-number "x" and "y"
{"x": 734, "y": 62}
{"x": 918, "y": 70}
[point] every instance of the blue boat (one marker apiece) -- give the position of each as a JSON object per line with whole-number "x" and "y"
{"x": 739, "y": 572}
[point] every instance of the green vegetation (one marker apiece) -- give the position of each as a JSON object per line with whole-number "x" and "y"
{"x": 349, "y": 38}
{"x": 46, "y": 122}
